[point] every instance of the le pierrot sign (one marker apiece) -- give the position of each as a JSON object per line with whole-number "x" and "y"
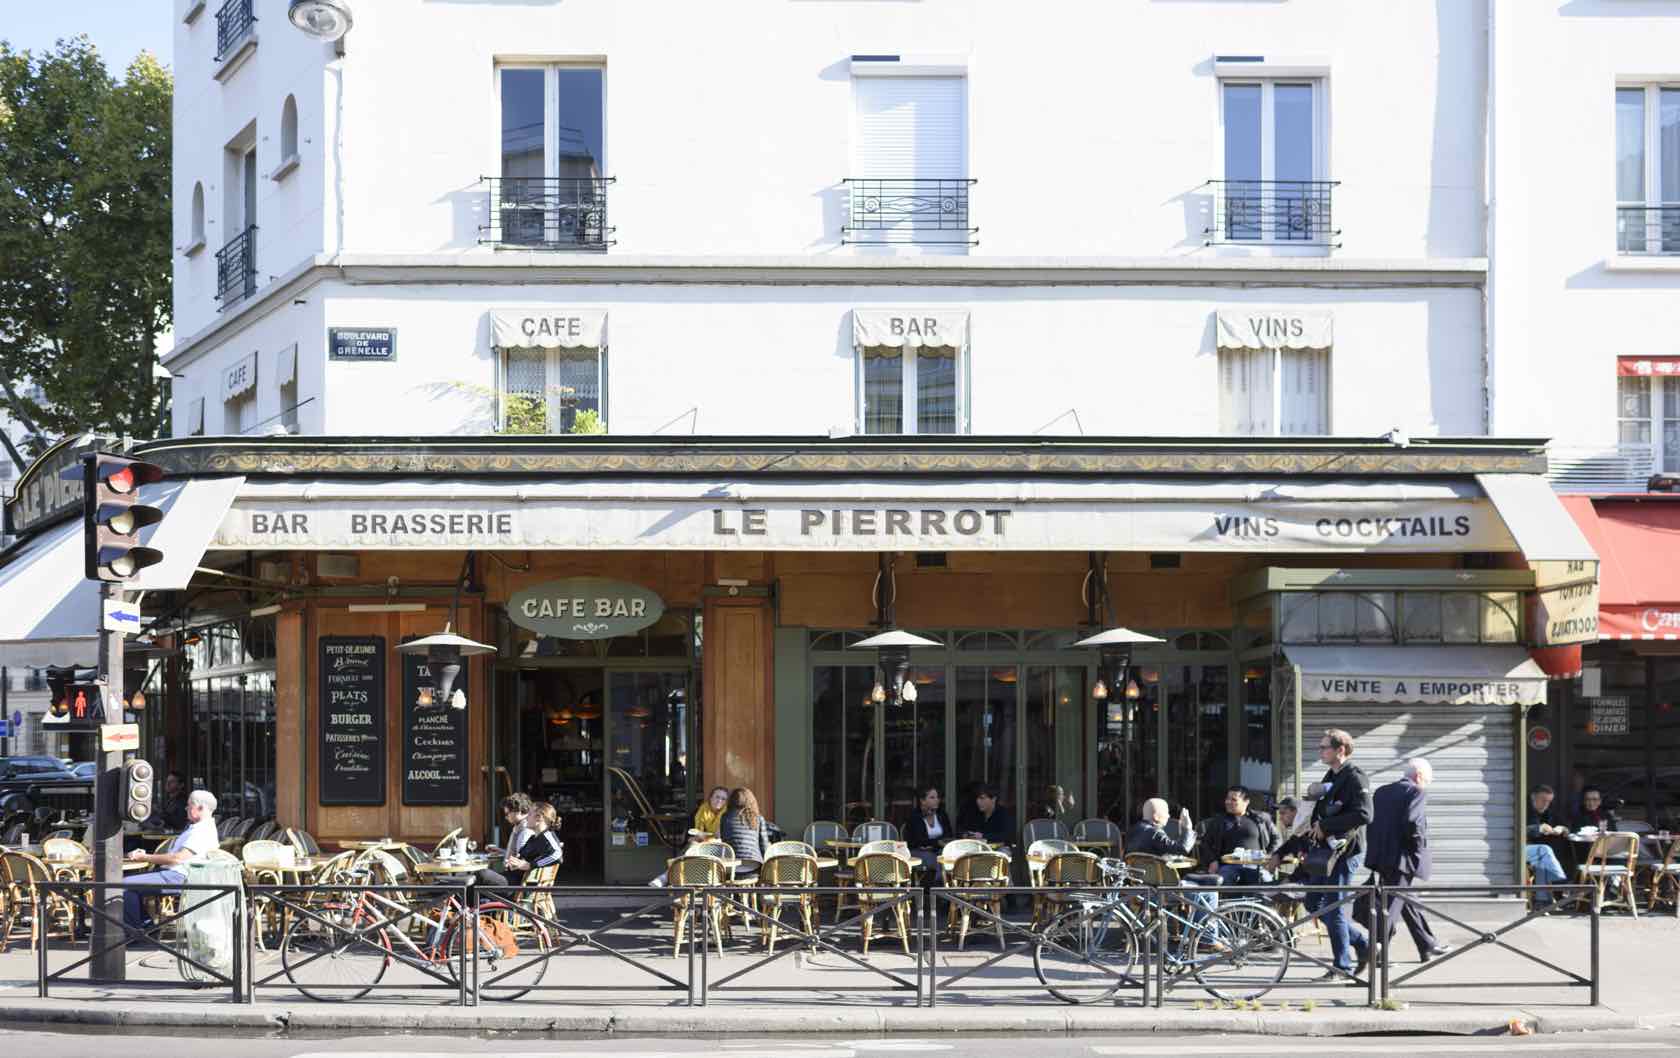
{"x": 41, "y": 497}
{"x": 585, "y": 608}
{"x": 1408, "y": 526}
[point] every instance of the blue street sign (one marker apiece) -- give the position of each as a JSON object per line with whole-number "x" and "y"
{"x": 17, "y": 719}
{"x": 5, "y": 728}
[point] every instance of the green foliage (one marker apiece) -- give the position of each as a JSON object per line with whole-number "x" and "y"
{"x": 525, "y": 415}
{"x": 588, "y": 421}
{"x": 85, "y": 233}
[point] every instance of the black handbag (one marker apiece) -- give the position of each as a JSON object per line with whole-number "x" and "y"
{"x": 1320, "y": 861}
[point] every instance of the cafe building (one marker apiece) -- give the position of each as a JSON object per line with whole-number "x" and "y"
{"x": 665, "y": 615}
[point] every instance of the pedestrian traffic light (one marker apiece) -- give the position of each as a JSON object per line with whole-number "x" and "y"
{"x": 112, "y": 517}
{"x": 137, "y": 791}
{"x": 78, "y": 699}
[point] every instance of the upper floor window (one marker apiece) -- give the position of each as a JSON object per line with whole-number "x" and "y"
{"x": 236, "y": 26}
{"x": 1648, "y": 169}
{"x": 909, "y": 181}
{"x": 1648, "y": 417}
{"x": 1274, "y": 372}
{"x": 1273, "y": 187}
{"x": 912, "y": 374}
{"x": 551, "y": 190}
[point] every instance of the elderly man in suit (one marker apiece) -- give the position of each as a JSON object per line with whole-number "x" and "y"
{"x": 1399, "y": 853}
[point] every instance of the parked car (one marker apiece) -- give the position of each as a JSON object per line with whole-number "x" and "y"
{"x": 86, "y": 769}
{"x": 27, "y": 783}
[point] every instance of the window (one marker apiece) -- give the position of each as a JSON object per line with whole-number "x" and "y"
{"x": 1275, "y": 189}
{"x": 1648, "y": 409}
{"x": 909, "y": 181}
{"x": 911, "y": 390}
{"x": 1274, "y": 392}
{"x": 552, "y": 188}
{"x": 288, "y": 140}
{"x": 547, "y": 391}
{"x": 195, "y": 239}
{"x": 1648, "y": 169}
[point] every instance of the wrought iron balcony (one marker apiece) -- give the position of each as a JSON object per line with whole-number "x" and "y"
{"x": 1648, "y": 229}
{"x": 236, "y": 267}
{"x": 921, "y": 211}
{"x": 548, "y": 213}
{"x": 1288, "y": 212}
{"x": 1600, "y": 468}
{"x": 235, "y": 22}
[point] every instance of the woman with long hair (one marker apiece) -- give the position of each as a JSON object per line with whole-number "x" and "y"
{"x": 747, "y": 832}
{"x": 928, "y": 829}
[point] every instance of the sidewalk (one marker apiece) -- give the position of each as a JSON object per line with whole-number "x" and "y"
{"x": 827, "y": 992}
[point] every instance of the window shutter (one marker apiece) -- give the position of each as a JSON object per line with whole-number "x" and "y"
{"x": 910, "y": 127}
{"x": 1245, "y": 391}
{"x": 1305, "y": 406}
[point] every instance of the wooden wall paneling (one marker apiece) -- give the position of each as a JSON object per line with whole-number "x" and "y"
{"x": 292, "y": 671}
{"x": 739, "y": 717}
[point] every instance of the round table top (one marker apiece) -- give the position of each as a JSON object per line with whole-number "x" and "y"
{"x": 1180, "y": 863}
{"x": 1093, "y": 843}
{"x": 365, "y": 845}
{"x": 837, "y": 843}
{"x": 472, "y": 866}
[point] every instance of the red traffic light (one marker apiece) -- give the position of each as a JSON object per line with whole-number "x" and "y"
{"x": 111, "y": 517}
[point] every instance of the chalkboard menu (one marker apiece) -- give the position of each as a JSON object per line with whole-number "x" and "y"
{"x": 352, "y": 720}
{"x": 434, "y": 750}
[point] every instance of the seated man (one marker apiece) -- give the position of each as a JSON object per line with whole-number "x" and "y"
{"x": 1238, "y": 828}
{"x": 1539, "y": 855}
{"x": 193, "y": 843}
{"x": 1149, "y": 834}
{"x": 986, "y": 819}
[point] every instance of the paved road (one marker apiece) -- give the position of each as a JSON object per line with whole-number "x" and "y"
{"x": 1601, "y": 1045}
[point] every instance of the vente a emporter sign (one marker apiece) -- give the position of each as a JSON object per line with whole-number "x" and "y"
{"x": 585, "y": 608}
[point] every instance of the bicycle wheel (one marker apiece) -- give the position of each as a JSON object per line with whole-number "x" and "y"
{"x": 1086, "y": 955}
{"x": 1240, "y": 951}
{"x": 327, "y": 959}
{"x": 501, "y": 975}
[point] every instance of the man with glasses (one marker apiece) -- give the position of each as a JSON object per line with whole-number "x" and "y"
{"x": 1341, "y": 811}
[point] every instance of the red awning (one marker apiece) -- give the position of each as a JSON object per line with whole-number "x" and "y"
{"x": 1638, "y": 545}
{"x": 1641, "y": 366}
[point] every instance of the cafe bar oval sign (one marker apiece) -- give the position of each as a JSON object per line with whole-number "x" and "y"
{"x": 585, "y": 608}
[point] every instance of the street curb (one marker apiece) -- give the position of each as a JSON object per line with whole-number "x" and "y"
{"x": 751, "y": 1020}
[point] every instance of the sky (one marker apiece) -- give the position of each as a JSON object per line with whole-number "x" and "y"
{"x": 120, "y": 29}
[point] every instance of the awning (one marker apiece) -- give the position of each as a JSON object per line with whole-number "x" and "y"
{"x": 548, "y": 328}
{"x": 1638, "y": 540}
{"x": 51, "y": 612}
{"x": 285, "y": 365}
{"x": 1147, "y": 513}
{"x": 911, "y": 327}
{"x": 1258, "y": 328}
{"x": 1451, "y": 675}
{"x": 1647, "y": 366}
{"x": 1565, "y": 564}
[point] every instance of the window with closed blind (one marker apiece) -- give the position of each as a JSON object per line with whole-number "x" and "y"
{"x": 554, "y": 391}
{"x": 1274, "y": 372}
{"x": 909, "y": 181}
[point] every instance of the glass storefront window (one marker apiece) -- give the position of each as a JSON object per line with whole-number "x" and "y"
{"x": 1055, "y": 742}
{"x": 842, "y": 740}
{"x": 1608, "y": 740}
{"x": 230, "y": 695}
{"x": 985, "y": 734}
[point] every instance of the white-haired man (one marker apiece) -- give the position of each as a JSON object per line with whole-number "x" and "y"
{"x": 1399, "y": 851}
{"x": 196, "y": 842}
{"x": 1149, "y": 834}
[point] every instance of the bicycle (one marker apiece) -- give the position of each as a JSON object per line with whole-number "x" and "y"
{"x": 1085, "y": 955}
{"x": 354, "y": 942}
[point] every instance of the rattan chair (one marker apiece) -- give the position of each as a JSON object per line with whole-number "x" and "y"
{"x": 817, "y": 835}
{"x": 303, "y": 841}
{"x": 1061, "y": 875}
{"x": 717, "y": 847}
{"x": 437, "y": 850}
{"x": 790, "y": 848}
{"x": 1665, "y": 877}
{"x": 1039, "y": 829}
{"x": 22, "y": 872}
{"x": 693, "y": 869}
{"x": 885, "y": 847}
{"x": 1101, "y": 830}
{"x": 821, "y": 831}
{"x": 1040, "y": 851}
{"x": 877, "y": 870}
{"x": 533, "y": 898}
{"x": 1611, "y": 862}
{"x": 875, "y": 830}
{"x": 783, "y": 871}
{"x": 984, "y": 870}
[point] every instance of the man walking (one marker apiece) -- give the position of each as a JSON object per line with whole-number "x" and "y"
{"x": 1339, "y": 817}
{"x": 1399, "y": 852}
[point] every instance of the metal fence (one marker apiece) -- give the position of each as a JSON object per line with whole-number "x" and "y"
{"x": 1291, "y": 212}
{"x": 236, "y": 20}
{"x": 236, "y": 268}
{"x": 548, "y": 213}
{"x": 1087, "y": 944}
{"x": 909, "y": 210}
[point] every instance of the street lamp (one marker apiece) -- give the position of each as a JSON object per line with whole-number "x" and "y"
{"x": 892, "y": 649}
{"x": 326, "y": 20}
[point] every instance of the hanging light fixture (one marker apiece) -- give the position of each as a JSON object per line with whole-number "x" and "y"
{"x": 327, "y": 20}
{"x": 1114, "y": 661}
{"x": 445, "y": 651}
{"x": 892, "y": 649}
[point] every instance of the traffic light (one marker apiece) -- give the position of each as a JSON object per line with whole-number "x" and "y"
{"x": 137, "y": 791}
{"x": 112, "y": 518}
{"x": 78, "y": 699}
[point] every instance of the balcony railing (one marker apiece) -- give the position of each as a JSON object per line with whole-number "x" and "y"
{"x": 1648, "y": 229}
{"x": 548, "y": 213}
{"x": 1600, "y": 468}
{"x": 928, "y": 212}
{"x": 1287, "y": 212}
{"x": 236, "y": 267}
{"x": 235, "y": 22}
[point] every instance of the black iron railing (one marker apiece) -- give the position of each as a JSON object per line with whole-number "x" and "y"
{"x": 1648, "y": 229}
{"x": 548, "y": 213}
{"x": 236, "y": 267}
{"x": 1272, "y": 211}
{"x": 911, "y": 210}
{"x": 235, "y": 22}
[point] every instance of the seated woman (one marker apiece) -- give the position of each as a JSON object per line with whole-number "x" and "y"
{"x": 710, "y": 813}
{"x": 928, "y": 829}
{"x": 541, "y": 849}
{"x": 747, "y": 832}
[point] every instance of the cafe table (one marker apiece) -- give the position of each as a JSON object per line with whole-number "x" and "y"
{"x": 448, "y": 868}
{"x": 364, "y": 846}
{"x": 1096, "y": 845}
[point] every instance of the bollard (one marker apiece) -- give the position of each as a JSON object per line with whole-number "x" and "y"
{"x": 1376, "y": 919}
{"x": 1593, "y": 933}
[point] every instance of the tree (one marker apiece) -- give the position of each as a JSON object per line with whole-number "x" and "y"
{"x": 85, "y": 238}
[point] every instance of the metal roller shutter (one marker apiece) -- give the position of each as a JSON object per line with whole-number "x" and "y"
{"x": 1472, "y": 749}
{"x": 910, "y": 127}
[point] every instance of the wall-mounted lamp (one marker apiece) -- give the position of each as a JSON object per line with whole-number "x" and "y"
{"x": 327, "y": 20}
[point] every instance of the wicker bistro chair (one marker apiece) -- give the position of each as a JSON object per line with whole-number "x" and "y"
{"x": 986, "y": 869}
{"x": 1665, "y": 877}
{"x": 22, "y": 872}
{"x": 304, "y": 842}
{"x": 1062, "y": 873}
{"x": 1611, "y": 862}
{"x": 1100, "y": 830}
{"x": 885, "y": 847}
{"x": 1039, "y": 829}
{"x": 790, "y": 848}
{"x": 784, "y": 871}
{"x": 883, "y": 870}
{"x": 875, "y": 830}
{"x": 817, "y": 835}
{"x": 723, "y": 850}
{"x": 437, "y": 850}
{"x": 533, "y": 900}
{"x": 693, "y": 869}
{"x": 1040, "y": 851}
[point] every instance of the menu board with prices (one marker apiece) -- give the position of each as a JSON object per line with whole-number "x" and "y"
{"x": 1607, "y": 715}
{"x": 434, "y": 750}
{"x": 352, "y": 721}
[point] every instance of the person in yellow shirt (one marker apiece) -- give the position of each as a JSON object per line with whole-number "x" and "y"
{"x": 708, "y": 815}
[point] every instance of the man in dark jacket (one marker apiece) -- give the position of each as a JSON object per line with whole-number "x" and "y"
{"x": 1399, "y": 852}
{"x": 1149, "y": 833}
{"x": 1546, "y": 834}
{"x": 1341, "y": 811}
{"x": 1238, "y": 828}
{"x": 986, "y": 819}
